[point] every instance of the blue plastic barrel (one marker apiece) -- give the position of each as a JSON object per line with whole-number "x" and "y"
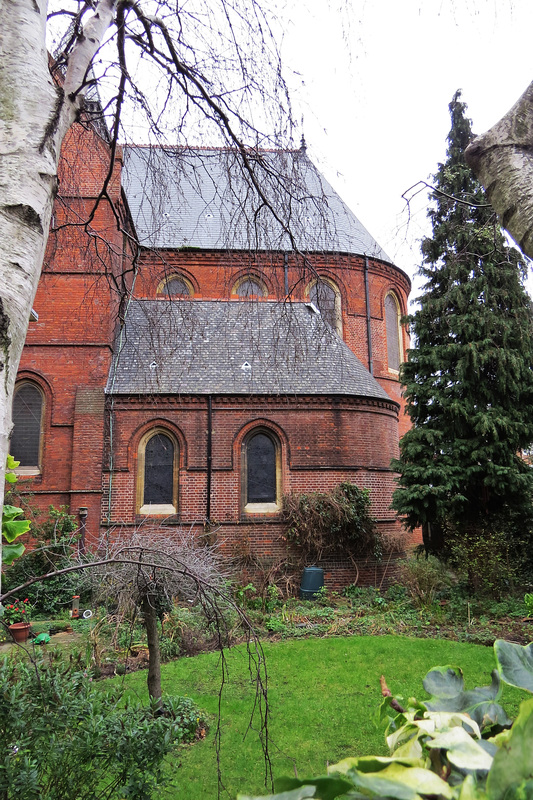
{"x": 312, "y": 582}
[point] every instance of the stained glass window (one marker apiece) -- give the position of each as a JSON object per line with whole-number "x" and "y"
{"x": 159, "y": 471}
{"x": 27, "y": 425}
{"x": 261, "y": 469}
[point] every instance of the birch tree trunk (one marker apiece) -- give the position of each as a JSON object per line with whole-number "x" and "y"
{"x": 502, "y": 159}
{"x": 35, "y": 114}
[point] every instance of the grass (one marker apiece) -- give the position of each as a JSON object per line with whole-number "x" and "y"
{"x": 324, "y": 697}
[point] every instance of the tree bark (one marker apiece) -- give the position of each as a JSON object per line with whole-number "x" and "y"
{"x": 35, "y": 114}
{"x": 502, "y": 159}
{"x": 154, "y": 652}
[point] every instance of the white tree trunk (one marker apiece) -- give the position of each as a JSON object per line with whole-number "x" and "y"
{"x": 35, "y": 114}
{"x": 502, "y": 159}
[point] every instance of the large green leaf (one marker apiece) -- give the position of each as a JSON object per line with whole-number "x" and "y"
{"x": 470, "y": 790}
{"x": 401, "y": 783}
{"x": 326, "y": 787}
{"x": 10, "y": 552}
{"x": 11, "y": 463}
{"x": 479, "y": 703}
{"x": 515, "y": 663}
{"x": 462, "y": 751}
{"x": 444, "y": 682}
{"x": 511, "y": 775}
{"x": 372, "y": 763}
{"x": 297, "y": 794}
{"x": 12, "y": 527}
{"x": 12, "y": 530}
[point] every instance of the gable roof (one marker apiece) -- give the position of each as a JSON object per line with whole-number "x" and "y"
{"x": 232, "y": 347}
{"x": 204, "y": 198}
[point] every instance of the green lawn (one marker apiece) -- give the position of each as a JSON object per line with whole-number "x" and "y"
{"x": 324, "y": 696}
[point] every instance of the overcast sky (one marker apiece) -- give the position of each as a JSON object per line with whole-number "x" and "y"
{"x": 376, "y": 80}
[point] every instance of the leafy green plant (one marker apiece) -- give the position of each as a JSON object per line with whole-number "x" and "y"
{"x": 243, "y": 594}
{"x": 323, "y": 524}
{"x": 65, "y": 740}
{"x": 17, "y": 611}
{"x": 12, "y": 526}
{"x": 528, "y": 602}
{"x": 362, "y": 596}
{"x": 491, "y": 559}
{"x": 458, "y": 745}
{"x": 271, "y": 598}
{"x": 55, "y": 540}
{"x": 276, "y": 625}
{"x": 423, "y": 577}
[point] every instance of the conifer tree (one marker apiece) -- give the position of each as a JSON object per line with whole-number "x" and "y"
{"x": 468, "y": 380}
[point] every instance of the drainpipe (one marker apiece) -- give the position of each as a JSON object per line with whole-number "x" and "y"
{"x": 368, "y": 321}
{"x": 209, "y": 455}
{"x": 286, "y": 271}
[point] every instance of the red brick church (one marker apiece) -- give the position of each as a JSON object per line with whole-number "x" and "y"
{"x": 196, "y": 352}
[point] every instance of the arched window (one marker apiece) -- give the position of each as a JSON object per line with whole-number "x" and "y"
{"x": 392, "y": 325}
{"x": 326, "y": 297}
{"x": 250, "y": 286}
{"x": 261, "y": 472}
{"x": 175, "y": 286}
{"x": 157, "y": 490}
{"x": 26, "y": 439}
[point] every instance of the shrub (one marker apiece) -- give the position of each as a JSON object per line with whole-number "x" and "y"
{"x": 54, "y": 541}
{"x": 423, "y": 577}
{"x": 64, "y": 740}
{"x": 489, "y": 559}
{"x": 326, "y": 524}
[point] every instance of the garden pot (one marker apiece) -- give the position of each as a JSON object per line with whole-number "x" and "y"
{"x": 20, "y": 631}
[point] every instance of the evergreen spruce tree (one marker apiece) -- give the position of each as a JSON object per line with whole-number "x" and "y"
{"x": 468, "y": 380}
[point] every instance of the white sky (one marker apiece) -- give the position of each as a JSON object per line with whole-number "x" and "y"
{"x": 377, "y": 78}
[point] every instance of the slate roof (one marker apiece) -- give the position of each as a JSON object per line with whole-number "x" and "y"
{"x": 203, "y": 198}
{"x": 221, "y": 347}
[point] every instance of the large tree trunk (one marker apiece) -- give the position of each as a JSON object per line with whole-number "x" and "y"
{"x": 35, "y": 114}
{"x": 154, "y": 653}
{"x": 502, "y": 159}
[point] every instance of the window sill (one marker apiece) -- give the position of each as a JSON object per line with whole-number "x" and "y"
{"x": 163, "y": 510}
{"x": 27, "y": 472}
{"x": 262, "y": 508}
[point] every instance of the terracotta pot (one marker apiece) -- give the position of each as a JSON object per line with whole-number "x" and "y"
{"x": 20, "y": 631}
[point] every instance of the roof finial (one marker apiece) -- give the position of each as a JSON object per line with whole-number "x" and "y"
{"x": 303, "y": 145}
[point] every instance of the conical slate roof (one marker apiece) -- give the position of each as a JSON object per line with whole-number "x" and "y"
{"x": 204, "y": 198}
{"x": 221, "y": 347}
